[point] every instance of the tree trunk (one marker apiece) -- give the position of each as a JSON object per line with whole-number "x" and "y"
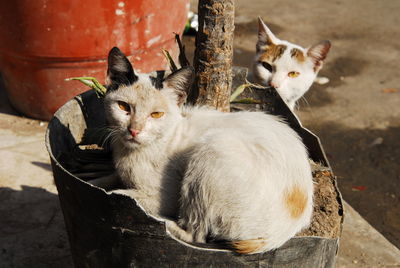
{"x": 213, "y": 55}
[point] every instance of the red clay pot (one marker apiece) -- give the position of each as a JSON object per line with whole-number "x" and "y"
{"x": 46, "y": 41}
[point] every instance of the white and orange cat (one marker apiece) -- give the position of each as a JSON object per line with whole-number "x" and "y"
{"x": 239, "y": 177}
{"x": 287, "y": 67}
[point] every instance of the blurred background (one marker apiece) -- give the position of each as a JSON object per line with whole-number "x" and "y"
{"x": 356, "y": 115}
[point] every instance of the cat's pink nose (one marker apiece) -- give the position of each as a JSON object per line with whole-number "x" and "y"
{"x": 273, "y": 84}
{"x": 134, "y": 132}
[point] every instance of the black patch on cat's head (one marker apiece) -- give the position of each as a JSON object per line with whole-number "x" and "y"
{"x": 157, "y": 81}
{"x": 120, "y": 71}
{"x": 181, "y": 81}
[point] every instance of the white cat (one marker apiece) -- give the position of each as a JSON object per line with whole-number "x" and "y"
{"x": 287, "y": 67}
{"x": 238, "y": 177}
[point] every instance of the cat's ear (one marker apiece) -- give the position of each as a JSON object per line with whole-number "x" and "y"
{"x": 120, "y": 71}
{"x": 265, "y": 36}
{"x": 181, "y": 81}
{"x": 318, "y": 53}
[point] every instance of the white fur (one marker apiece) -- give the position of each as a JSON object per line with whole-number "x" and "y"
{"x": 290, "y": 89}
{"x": 236, "y": 177}
{"x": 222, "y": 175}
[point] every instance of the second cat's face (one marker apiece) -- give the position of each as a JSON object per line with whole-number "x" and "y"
{"x": 287, "y": 67}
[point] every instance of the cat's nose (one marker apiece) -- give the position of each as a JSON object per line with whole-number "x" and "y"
{"x": 273, "y": 84}
{"x": 134, "y": 132}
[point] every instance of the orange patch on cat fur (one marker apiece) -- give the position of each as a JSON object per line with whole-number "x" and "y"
{"x": 296, "y": 201}
{"x": 272, "y": 52}
{"x": 297, "y": 54}
{"x": 248, "y": 246}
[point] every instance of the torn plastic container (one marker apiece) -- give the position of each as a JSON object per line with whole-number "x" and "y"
{"x": 110, "y": 230}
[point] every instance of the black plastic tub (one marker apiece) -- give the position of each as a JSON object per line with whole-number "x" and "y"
{"x": 110, "y": 230}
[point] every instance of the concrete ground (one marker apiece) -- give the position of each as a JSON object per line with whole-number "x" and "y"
{"x": 356, "y": 116}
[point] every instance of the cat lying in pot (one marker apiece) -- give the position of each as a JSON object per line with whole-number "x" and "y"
{"x": 239, "y": 177}
{"x": 287, "y": 67}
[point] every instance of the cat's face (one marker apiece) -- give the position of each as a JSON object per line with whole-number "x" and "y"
{"x": 140, "y": 109}
{"x": 287, "y": 67}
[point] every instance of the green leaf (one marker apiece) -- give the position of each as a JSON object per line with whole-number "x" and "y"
{"x": 171, "y": 62}
{"x": 248, "y": 101}
{"x": 238, "y": 91}
{"x": 92, "y": 83}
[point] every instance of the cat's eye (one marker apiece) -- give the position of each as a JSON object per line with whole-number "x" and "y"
{"x": 293, "y": 74}
{"x": 157, "y": 114}
{"x": 124, "y": 106}
{"x": 267, "y": 66}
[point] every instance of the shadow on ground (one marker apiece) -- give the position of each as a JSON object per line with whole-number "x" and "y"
{"x": 366, "y": 162}
{"x": 31, "y": 219}
{"x": 45, "y": 166}
{"x": 5, "y": 105}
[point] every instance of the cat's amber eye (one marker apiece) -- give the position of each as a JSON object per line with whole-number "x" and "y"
{"x": 124, "y": 106}
{"x": 293, "y": 74}
{"x": 157, "y": 114}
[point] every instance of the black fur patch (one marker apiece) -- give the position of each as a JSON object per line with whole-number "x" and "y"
{"x": 120, "y": 70}
{"x": 157, "y": 82}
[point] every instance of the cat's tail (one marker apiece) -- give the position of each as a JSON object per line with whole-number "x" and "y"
{"x": 250, "y": 246}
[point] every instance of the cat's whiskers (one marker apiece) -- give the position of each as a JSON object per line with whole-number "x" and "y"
{"x": 114, "y": 138}
{"x": 303, "y": 99}
{"x": 112, "y": 135}
{"x": 102, "y": 133}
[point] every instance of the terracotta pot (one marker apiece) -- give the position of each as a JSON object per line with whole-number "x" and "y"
{"x": 44, "y": 42}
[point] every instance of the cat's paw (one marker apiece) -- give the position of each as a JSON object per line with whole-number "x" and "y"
{"x": 176, "y": 231}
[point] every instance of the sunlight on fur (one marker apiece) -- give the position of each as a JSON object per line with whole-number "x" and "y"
{"x": 215, "y": 176}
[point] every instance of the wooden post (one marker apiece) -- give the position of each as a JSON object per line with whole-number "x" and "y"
{"x": 213, "y": 55}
